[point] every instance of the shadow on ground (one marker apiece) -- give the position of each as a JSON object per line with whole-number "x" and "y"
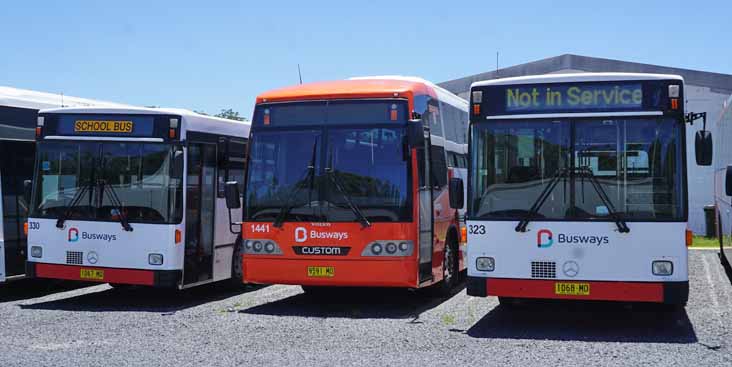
{"x": 34, "y": 288}
{"x": 356, "y": 303}
{"x": 586, "y": 321}
{"x": 142, "y": 299}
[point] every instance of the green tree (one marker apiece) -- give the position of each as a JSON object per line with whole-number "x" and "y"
{"x": 231, "y": 115}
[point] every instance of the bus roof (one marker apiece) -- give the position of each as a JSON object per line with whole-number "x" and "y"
{"x": 360, "y": 87}
{"x": 192, "y": 121}
{"x": 23, "y": 98}
{"x": 575, "y": 77}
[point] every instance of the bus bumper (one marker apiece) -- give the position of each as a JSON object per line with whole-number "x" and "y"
{"x": 154, "y": 278}
{"x": 659, "y": 292}
{"x": 346, "y": 273}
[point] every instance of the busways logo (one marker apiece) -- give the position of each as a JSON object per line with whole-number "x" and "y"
{"x": 302, "y": 235}
{"x": 74, "y": 236}
{"x": 545, "y": 238}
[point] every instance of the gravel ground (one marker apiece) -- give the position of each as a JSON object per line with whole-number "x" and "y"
{"x": 278, "y": 325}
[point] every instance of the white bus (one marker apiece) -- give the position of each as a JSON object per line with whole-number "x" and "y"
{"x": 722, "y": 175}
{"x": 18, "y": 113}
{"x": 135, "y": 196}
{"x": 577, "y": 188}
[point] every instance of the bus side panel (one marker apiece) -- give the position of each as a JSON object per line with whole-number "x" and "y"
{"x": 224, "y": 240}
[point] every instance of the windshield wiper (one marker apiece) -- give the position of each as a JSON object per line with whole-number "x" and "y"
{"x": 587, "y": 172}
{"x": 74, "y": 201}
{"x": 309, "y": 176}
{"x": 521, "y": 226}
{"x": 330, "y": 172}
{"x": 116, "y": 203}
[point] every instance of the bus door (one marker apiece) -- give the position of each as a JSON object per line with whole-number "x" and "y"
{"x": 425, "y": 208}
{"x": 200, "y": 210}
{"x": 14, "y": 211}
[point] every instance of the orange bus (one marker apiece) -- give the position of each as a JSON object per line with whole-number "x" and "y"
{"x": 356, "y": 182}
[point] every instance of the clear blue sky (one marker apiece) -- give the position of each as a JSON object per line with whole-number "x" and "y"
{"x": 209, "y": 55}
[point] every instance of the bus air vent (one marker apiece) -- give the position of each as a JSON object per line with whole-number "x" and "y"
{"x": 74, "y": 257}
{"x": 543, "y": 269}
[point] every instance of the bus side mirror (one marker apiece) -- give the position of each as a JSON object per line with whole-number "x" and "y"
{"x": 703, "y": 147}
{"x": 415, "y": 133}
{"x": 231, "y": 192}
{"x": 728, "y": 181}
{"x": 457, "y": 197}
{"x": 27, "y": 188}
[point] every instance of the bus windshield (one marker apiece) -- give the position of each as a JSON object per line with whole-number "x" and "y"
{"x": 637, "y": 163}
{"x": 146, "y": 177}
{"x": 318, "y": 172}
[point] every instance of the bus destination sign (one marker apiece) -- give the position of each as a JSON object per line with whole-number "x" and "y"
{"x": 103, "y": 126}
{"x": 581, "y": 96}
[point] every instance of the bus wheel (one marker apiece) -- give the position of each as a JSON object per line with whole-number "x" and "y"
{"x": 237, "y": 266}
{"x": 450, "y": 275}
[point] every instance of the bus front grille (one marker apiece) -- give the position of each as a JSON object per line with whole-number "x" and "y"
{"x": 543, "y": 269}
{"x": 74, "y": 258}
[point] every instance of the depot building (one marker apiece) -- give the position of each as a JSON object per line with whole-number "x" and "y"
{"x": 704, "y": 92}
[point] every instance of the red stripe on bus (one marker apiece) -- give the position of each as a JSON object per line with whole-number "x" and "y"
{"x": 599, "y": 291}
{"x": 111, "y": 275}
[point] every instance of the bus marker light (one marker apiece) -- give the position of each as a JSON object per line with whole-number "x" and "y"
{"x": 674, "y": 103}
{"x": 266, "y": 116}
{"x": 41, "y": 120}
{"x": 663, "y": 267}
{"x": 25, "y": 228}
{"x": 178, "y": 236}
{"x": 173, "y": 123}
{"x": 477, "y": 96}
{"x": 155, "y": 259}
{"x": 476, "y": 109}
{"x": 673, "y": 91}
{"x": 38, "y": 131}
{"x": 171, "y": 133}
{"x": 485, "y": 264}
{"x": 464, "y": 234}
{"x": 689, "y": 238}
{"x": 37, "y": 251}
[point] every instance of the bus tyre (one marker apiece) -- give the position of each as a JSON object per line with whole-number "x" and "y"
{"x": 237, "y": 266}
{"x": 450, "y": 276}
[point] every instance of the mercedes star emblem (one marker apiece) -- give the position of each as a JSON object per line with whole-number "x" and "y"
{"x": 570, "y": 268}
{"x": 92, "y": 257}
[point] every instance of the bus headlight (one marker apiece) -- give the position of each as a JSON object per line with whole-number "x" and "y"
{"x": 261, "y": 247}
{"x": 388, "y": 248}
{"x": 155, "y": 259}
{"x": 663, "y": 267}
{"x": 485, "y": 264}
{"x": 36, "y": 251}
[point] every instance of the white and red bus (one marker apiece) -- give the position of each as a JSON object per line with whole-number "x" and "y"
{"x": 18, "y": 114}
{"x": 578, "y": 189}
{"x": 347, "y": 185}
{"x": 135, "y": 196}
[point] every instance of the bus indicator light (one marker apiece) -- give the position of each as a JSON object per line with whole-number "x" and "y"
{"x": 25, "y": 228}
{"x": 476, "y": 109}
{"x": 178, "y": 236}
{"x": 674, "y": 103}
{"x": 689, "y": 238}
{"x": 171, "y": 133}
{"x": 38, "y": 131}
{"x": 266, "y": 116}
{"x": 393, "y": 114}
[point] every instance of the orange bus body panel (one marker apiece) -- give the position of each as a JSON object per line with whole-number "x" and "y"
{"x": 350, "y": 270}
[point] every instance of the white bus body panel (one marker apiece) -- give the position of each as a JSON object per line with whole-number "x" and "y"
{"x": 116, "y": 248}
{"x": 604, "y": 255}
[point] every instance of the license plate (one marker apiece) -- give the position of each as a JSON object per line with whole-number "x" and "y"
{"x": 92, "y": 274}
{"x": 572, "y": 289}
{"x": 321, "y": 271}
{"x": 96, "y": 126}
